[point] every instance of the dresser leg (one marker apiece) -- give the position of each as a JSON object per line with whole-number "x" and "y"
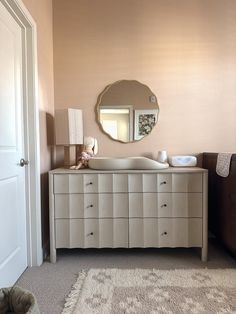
{"x": 204, "y": 254}
{"x": 53, "y": 256}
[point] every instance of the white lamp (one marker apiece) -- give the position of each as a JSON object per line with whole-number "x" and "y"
{"x": 69, "y": 132}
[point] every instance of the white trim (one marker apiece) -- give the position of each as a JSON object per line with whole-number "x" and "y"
{"x": 31, "y": 122}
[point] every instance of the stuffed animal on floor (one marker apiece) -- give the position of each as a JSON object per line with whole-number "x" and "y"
{"x": 90, "y": 149}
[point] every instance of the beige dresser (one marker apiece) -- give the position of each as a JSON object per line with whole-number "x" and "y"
{"x": 128, "y": 208}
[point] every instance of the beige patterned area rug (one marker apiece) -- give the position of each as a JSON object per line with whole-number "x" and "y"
{"x": 143, "y": 291}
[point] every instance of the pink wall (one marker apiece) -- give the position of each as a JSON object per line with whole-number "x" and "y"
{"x": 41, "y": 11}
{"x": 183, "y": 50}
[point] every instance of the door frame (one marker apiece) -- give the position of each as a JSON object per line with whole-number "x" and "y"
{"x": 31, "y": 122}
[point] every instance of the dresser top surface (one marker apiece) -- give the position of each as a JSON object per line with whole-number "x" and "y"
{"x": 168, "y": 170}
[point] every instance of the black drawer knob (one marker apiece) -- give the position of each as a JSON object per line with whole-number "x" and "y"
{"x": 163, "y": 182}
{"x": 164, "y": 233}
{"x": 90, "y": 206}
{"x": 164, "y": 205}
{"x": 90, "y": 183}
{"x": 90, "y": 234}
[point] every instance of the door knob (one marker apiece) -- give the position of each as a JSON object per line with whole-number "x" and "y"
{"x": 23, "y": 162}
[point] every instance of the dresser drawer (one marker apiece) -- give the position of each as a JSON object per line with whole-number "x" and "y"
{"x": 179, "y": 182}
{"x": 93, "y": 205}
{"x": 90, "y": 183}
{"x": 165, "y": 205}
{"x": 75, "y": 183}
{"x": 89, "y": 233}
{"x": 179, "y": 205}
{"x": 165, "y": 232}
{"x": 166, "y": 182}
{"x": 77, "y": 205}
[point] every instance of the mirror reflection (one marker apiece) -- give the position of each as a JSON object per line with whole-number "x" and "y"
{"x": 127, "y": 110}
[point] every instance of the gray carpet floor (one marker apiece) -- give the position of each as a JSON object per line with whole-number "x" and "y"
{"x": 51, "y": 283}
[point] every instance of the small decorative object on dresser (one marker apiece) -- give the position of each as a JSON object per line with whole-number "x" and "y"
{"x": 162, "y": 156}
{"x": 183, "y": 161}
{"x": 128, "y": 208}
{"x": 89, "y": 150}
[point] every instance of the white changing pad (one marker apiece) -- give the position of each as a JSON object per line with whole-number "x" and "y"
{"x": 136, "y": 163}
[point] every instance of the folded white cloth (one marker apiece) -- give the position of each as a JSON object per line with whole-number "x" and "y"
{"x": 223, "y": 164}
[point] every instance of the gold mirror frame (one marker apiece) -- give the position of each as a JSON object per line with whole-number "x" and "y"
{"x": 151, "y": 96}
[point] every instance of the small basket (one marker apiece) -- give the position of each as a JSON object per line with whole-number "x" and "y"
{"x": 17, "y": 300}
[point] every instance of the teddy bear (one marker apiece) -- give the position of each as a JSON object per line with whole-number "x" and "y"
{"x": 89, "y": 150}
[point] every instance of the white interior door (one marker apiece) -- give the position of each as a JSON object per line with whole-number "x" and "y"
{"x": 13, "y": 244}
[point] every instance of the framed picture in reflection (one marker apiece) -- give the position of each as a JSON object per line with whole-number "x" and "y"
{"x": 144, "y": 121}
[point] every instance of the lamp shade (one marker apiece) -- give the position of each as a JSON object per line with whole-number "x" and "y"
{"x": 69, "y": 126}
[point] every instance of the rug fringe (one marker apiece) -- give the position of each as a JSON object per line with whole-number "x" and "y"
{"x": 72, "y": 297}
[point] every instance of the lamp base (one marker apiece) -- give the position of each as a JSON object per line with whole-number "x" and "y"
{"x": 69, "y": 156}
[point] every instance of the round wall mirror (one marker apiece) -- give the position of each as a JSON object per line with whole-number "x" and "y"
{"x": 127, "y": 111}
